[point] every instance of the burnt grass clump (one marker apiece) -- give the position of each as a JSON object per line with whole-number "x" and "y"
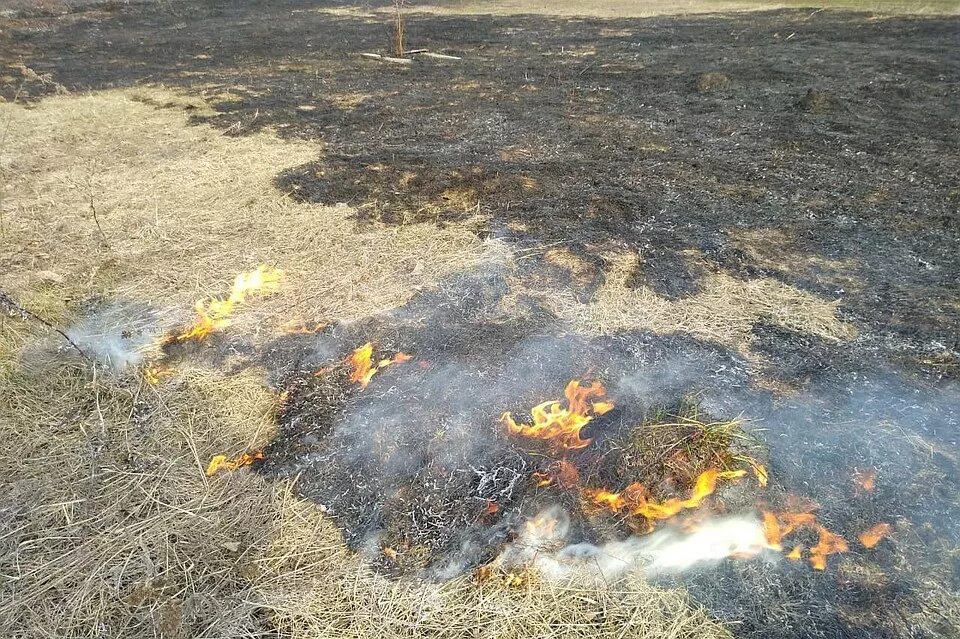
{"x": 422, "y": 475}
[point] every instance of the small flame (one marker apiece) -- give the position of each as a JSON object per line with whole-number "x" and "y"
{"x": 874, "y": 535}
{"x": 214, "y": 314}
{"x": 561, "y": 472}
{"x": 541, "y": 527}
{"x": 155, "y": 373}
{"x": 865, "y": 479}
{"x": 635, "y": 498}
{"x": 301, "y": 327}
{"x": 794, "y": 555}
{"x": 361, "y": 361}
{"x": 602, "y": 408}
{"x": 828, "y": 544}
{"x": 561, "y": 426}
{"x": 776, "y": 527}
{"x": 222, "y": 462}
{"x": 772, "y": 531}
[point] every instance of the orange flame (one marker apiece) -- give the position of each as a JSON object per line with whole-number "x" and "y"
{"x": 301, "y": 327}
{"x": 214, "y": 314}
{"x": 221, "y": 462}
{"x": 865, "y": 479}
{"x": 155, "y": 373}
{"x": 772, "y": 531}
{"x": 561, "y": 472}
{"x": 828, "y": 544}
{"x": 635, "y": 498}
{"x": 874, "y": 535}
{"x": 561, "y": 426}
{"x": 361, "y": 360}
{"x": 776, "y": 527}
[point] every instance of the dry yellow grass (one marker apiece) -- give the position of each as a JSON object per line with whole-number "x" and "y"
{"x": 724, "y": 311}
{"x": 773, "y": 249}
{"x": 109, "y": 525}
{"x": 183, "y": 209}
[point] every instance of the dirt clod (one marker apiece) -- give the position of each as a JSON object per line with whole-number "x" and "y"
{"x": 816, "y": 101}
{"x": 712, "y": 81}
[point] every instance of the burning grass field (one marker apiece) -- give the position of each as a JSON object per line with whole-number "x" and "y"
{"x": 611, "y": 328}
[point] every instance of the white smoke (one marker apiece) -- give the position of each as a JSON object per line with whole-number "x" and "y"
{"x": 542, "y": 545}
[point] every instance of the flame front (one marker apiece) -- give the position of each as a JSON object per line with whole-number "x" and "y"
{"x": 561, "y": 426}
{"x": 635, "y": 499}
{"x": 214, "y": 314}
{"x": 363, "y": 367}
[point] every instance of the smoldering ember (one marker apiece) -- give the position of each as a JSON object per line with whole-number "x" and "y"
{"x": 480, "y": 319}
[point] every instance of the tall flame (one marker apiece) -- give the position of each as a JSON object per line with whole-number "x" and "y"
{"x": 214, "y": 314}
{"x": 561, "y": 426}
{"x": 635, "y": 499}
{"x": 363, "y": 366}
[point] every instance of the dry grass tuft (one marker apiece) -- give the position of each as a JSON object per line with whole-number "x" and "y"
{"x": 110, "y": 526}
{"x": 724, "y": 311}
{"x": 681, "y": 443}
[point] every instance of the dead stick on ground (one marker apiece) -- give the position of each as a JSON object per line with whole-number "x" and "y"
{"x": 384, "y": 58}
{"x": 7, "y": 304}
{"x": 438, "y": 56}
{"x": 93, "y": 210}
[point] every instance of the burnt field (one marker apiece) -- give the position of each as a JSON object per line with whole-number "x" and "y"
{"x": 644, "y": 305}
{"x": 815, "y": 149}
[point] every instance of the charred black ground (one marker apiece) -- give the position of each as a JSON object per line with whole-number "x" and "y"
{"x": 819, "y": 149}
